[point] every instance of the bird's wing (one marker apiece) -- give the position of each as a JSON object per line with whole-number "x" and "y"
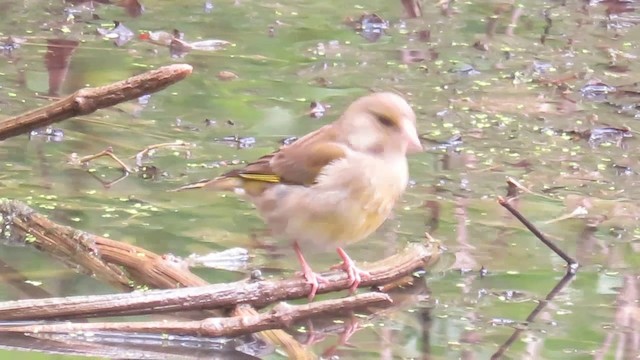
{"x": 299, "y": 163}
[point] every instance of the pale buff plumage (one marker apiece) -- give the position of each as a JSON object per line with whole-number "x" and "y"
{"x": 335, "y": 185}
{"x": 346, "y": 204}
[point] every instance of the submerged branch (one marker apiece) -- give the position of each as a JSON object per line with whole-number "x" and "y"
{"x": 282, "y": 315}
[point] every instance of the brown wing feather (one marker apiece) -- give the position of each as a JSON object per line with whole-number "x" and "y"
{"x": 299, "y": 163}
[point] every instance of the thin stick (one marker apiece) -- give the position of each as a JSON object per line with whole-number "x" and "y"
{"x": 144, "y": 152}
{"x": 108, "y": 152}
{"x": 571, "y": 262}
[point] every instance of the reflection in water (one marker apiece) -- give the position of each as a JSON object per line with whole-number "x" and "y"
{"x": 544, "y": 71}
{"x": 626, "y": 327}
{"x": 566, "y": 279}
{"x": 57, "y": 59}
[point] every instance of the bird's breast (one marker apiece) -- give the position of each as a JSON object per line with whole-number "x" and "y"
{"x": 350, "y": 200}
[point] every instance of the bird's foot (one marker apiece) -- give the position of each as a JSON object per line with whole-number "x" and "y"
{"x": 314, "y": 279}
{"x": 354, "y": 274}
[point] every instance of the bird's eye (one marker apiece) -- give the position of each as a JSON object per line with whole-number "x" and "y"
{"x": 385, "y": 120}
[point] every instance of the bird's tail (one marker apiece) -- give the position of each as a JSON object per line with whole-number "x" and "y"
{"x": 222, "y": 183}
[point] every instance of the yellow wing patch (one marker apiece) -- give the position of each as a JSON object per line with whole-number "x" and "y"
{"x": 270, "y": 178}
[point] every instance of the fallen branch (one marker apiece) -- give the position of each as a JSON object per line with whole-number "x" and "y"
{"x": 96, "y": 255}
{"x": 21, "y": 224}
{"x": 281, "y": 316}
{"x": 216, "y": 296}
{"x": 87, "y": 100}
{"x": 105, "y": 257}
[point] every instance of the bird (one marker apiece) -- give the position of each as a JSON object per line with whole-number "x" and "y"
{"x": 334, "y": 186}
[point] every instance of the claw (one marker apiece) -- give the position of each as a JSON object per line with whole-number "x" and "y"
{"x": 312, "y": 278}
{"x": 354, "y": 274}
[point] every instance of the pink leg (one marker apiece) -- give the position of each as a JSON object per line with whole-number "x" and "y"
{"x": 349, "y": 330}
{"x": 313, "y": 279}
{"x": 349, "y": 266}
{"x": 312, "y": 335}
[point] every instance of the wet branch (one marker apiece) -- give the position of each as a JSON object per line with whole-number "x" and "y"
{"x": 572, "y": 267}
{"x": 215, "y": 296}
{"x": 122, "y": 264}
{"x": 103, "y": 258}
{"x": 96, "y": 255}
{"x": 88, "y": 100}
{"x": 282, "y": 315}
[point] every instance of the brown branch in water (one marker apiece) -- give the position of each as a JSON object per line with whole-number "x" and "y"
{"x": 88, "y": 100}
{"x": 108, "y": 152}
{"x": 572, "y": 267}
{"x": 108, "y": 183}
{"x": 23, "y": 225}
{"x": 215, "y": 296}
{"x": 74, "y": 159}
{"x": 294, "y": 349}
{"x": 281, "y": 316}
{"x": 103, "y": 258}
{"x": 172, "y": 145}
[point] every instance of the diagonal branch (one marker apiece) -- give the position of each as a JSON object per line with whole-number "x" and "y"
{"x": 87, "y": 100}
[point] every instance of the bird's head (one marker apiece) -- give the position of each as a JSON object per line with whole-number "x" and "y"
{"x": 381, "y": 123}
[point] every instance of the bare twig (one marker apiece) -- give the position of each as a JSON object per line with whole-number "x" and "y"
{"x": 108, "y": 152}
{"x": 571, "y": 262}
{"x": 572, "y": 267}
{"x": 109, "y": 183}
{"x": 144, "y": 152}
{"x": 513, "y": 185}
{"x": 88, "y": 100}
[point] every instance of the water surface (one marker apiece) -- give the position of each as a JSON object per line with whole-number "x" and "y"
{"x": 541, "y": 91}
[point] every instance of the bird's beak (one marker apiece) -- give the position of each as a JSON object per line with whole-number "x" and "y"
{"x": 411, "y": 136}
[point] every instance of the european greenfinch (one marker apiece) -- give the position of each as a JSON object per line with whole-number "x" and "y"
{"x": 333, "y": 186}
